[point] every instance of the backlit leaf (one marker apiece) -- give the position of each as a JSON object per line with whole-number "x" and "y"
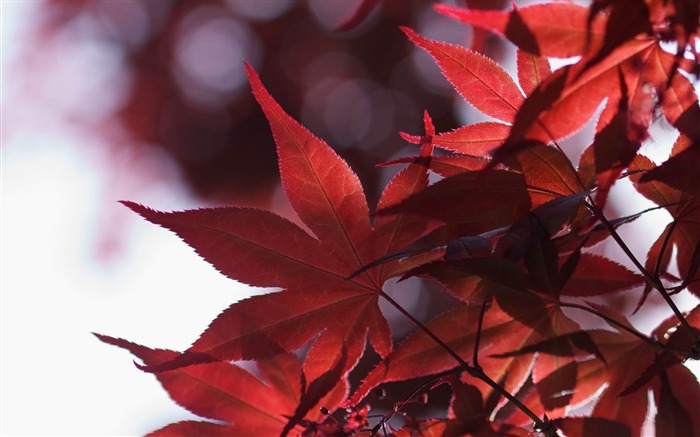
{"x": 481, "y": 81}
{"x": 557, "y": 29}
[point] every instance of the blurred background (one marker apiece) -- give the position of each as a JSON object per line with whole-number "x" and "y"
{"x": 106, "y": 100}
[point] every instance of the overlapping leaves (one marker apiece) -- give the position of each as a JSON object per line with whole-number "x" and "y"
{"x": 262, "y": 249}
{"x": 226, "y": 393}
{"x": 505, "y": 232}
{"x": 622, "y": 62}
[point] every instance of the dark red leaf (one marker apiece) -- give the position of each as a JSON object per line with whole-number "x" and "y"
{"x": 680, "y": 339}
{"x": 487, "y": 200}
{"x": 573, "y": 344}
{"x": 225, "y": 392}
{"x": 596, "y": 275}
{"x": 468, "y": 247}
{"x": 662, "y": 362}
{"x": 626, "y": 357}
{"x": 677, "y": 397}
{"x": 541, "y": 224}
{"x": 468, "y": 405}
{"x": 679, "y": 171}
{"x": 474, "y": 279}
{"x": 541, "y": 257}
{"x": 471, "y": 416}
{"x": 684, "y": 230}
{"x": 615, "y": 145}
{"x": 312, "y": 395}
{"x": 624, "y": 21}
{"x": 557, "y": 388}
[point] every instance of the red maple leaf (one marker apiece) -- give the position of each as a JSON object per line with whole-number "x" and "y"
{"x": 627, "y": 357}
{"x": 557, "y": 29}
{"x": 683, "y": 233}
{"x": 469, "y": 414}
{"x": 505, "y": 231}
{"x": 225, "y": 392}
{"x": 484, "y": 84}
{"x": 262, "y": 249}
{"x": 621, "y": 60}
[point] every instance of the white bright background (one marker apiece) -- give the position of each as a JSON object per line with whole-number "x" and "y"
{"x": 74, "y": 261}
{"x": 60, "y": 220}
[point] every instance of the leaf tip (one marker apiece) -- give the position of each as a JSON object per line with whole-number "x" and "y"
{"x": 249, "y": 69}
{"x": 428, "y": 124}
{"x": 103, "y": 338}
{"x": 413, "y": 139}
{"x": 253, "y": 79}
{"x": 144, "y": 367}
{"x": 136, "y": 207}
{"x": 147, "y": 213}
{"x": 446, "y": 10}
{"x": 410, "y": 33}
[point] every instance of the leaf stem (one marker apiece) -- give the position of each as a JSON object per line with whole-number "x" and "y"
{"x": 655, "y": 344}
{"x": 475, "y": 358}
{"x": 655, "y": 283}
{"x": 544, "y": 426}
{"x": 664, "y": 246}
{"x": 612, "y": 321}
{"x": 399, "y": 405}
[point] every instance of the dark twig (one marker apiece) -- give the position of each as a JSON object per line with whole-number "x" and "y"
{"x": 639, "y": 335}
{"x": 655, "y": 283}
{"x": 664, "y": 245}
{"x": 475, "y": 358}
{"x": 544, "y": 425}
{"x": 399, "y": 405}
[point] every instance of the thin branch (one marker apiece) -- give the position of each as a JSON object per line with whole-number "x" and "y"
{"x": 475, "y": 358}
{"x": 399, "y": 405}
{"x": 544, "y": 425}
{"x": 664, "y": 246}
{"x": 644, "y": 338}
{"x": 650, "y": 279}
{"x": 425, "y": 329}
{"x": 639, "y": 335}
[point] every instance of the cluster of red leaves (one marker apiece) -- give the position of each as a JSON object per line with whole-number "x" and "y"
{"x": 507, "y": 231}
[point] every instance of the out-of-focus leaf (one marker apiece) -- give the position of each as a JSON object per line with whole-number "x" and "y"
{"x": 362, "y": 12}
{"x": 556, "y": 29}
